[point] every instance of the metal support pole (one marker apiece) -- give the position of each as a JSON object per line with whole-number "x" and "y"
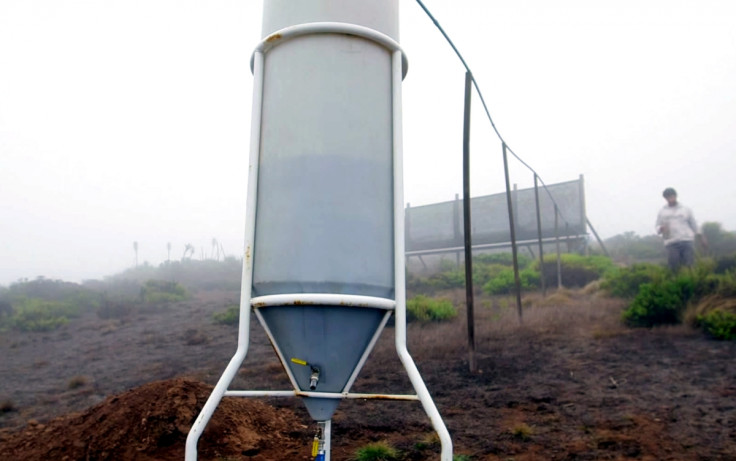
{"x": 557, "y": 245}
{"x": 467, "y": 228}
{"x": 400, "y": 274}
{"x": 456, "y": 237}
{"x": 600, "y": 242}
{"x": 327, "y": 437}
{"x": 247, "y": 276}
{"x": 512, "y": 229}
{"x": 539, "y": 236}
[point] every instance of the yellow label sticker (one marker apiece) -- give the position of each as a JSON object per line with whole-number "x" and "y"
{"x": 299, "y": 361}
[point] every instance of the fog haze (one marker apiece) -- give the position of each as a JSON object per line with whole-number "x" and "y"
{"x": 126, "y": 122}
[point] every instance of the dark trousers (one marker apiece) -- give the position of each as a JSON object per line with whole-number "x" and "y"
{"x": 680, "y": 254}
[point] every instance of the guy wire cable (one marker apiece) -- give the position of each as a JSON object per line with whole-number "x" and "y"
{"x": 483, "y": 101}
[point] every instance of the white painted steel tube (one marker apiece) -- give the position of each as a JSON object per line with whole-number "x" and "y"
{"x": 247, "y": 277}
{"x": 279, "y": 354}
{"x": 322, "y": 299}
{"x": 322, "y": 395}
{"x": 328, "y": 438}
{"x": 312, "y": 28}
{"x": 368, "y": 350}
{"x": 399, "y": 271}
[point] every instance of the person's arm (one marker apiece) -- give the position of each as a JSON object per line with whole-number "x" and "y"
{"x": 691, "y": 222}
{"x": 659, "y": 226}
{"x": 694, "y": 226}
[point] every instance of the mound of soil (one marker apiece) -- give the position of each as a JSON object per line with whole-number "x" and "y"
{"x": 152, "y": 422}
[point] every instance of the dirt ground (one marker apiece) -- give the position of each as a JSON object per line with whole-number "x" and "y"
{"x": 570, "y": 383}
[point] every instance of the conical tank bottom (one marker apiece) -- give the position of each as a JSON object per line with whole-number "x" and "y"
{"x": 324, "y": 340}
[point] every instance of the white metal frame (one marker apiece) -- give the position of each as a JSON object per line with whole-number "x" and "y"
{"x": 399, "y": 68}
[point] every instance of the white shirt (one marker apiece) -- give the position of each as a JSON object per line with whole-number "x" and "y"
{"x": 676, "y": 224}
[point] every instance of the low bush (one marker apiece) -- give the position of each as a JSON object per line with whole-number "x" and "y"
{"x": 624, "y": 282}
{"x": 719, "y": 324}
{"x": 162, "y": 292}
{"x": 39, "y": 315}
{"x": 449, "y": 276}
{"x": 660, "y": 303}
{"x": 424, "y": 309}
{"x": 6, "y": 308}
{"x": 504, "y": 283}
{"x": 665, "y": 298}
{"x": 7, "y": 405}
{"x": 230, "y": 316}
{"x": 454, "y": 278}
{"x": 716, "y": 315}
{"x": 77, "y": 382}
{"x": 576, "y": 270}
{"x": 725, "y": 285}
{"x": 504, "y": 259}
{"x": 726, "y": 264}
{"x": 483, "y": 273}
{"x": 522, "y": 431}
{"x": 377, "y": 451}
{"x": 116, "y": 308}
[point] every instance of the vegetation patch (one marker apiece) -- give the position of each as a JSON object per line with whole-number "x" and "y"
{"x": 659, "y": 303}
{"x": 717, "y": 317}
{"x": 163, "y": 292}
{"x": 625, "y": 282}
{"x": 504, "y": 282}
{"x": 43, "y": 304}
{"x": 666, "y": 298}
{"x": 378, "y": 451}
{"x": 39, "y": 315}
{"x": 118, "y": 308}
{"x": 230, "y": 316}
{"x": 522, "y": 431}
{"x": 576, "y": 270}
{"x": 424, "y": 309}
{"x": 77, "y": 382}
{"x": 7, "y": 405}
{"x": 462, "y": 458}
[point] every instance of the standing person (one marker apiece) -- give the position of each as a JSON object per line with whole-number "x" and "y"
{"x": 677, "y": 226}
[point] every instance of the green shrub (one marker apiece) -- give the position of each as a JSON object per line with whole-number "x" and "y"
{"x": 660, "y": 303}
{"x": 485, "y": 268}
{"x": 725, "y": 286}
{"x": 378, "y": 451}
{"x": 483, "y": 273}
{"x": 440, "y": 281}
{"x": 6, "y": 308}
{"x": 624, "y": 282}
{"x": 504, "y": 259}
{"x": 576, "y": 270}
{"x": 116, "y": 308}
{"x": 716, "y": 315}
{"x": 39, "y": 315}
{"x": 230, "y": 316}
{"x": 425, "y": 309}
{"x": 719, "y": 324}
{"x": 726, "y": 264}
{"x": 503, "y": 283}
{"x": 161, "y": 292}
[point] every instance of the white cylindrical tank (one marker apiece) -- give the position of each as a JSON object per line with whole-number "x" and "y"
{"x": 325, "y": 198}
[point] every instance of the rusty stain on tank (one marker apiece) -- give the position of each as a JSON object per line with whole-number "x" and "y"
{"x": 273, "y": 38}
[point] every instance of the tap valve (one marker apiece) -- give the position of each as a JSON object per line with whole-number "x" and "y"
{"x": 314, "y": 378}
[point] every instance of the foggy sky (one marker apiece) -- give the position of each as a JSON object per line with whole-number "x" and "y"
{"x": 129, "y": 121}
